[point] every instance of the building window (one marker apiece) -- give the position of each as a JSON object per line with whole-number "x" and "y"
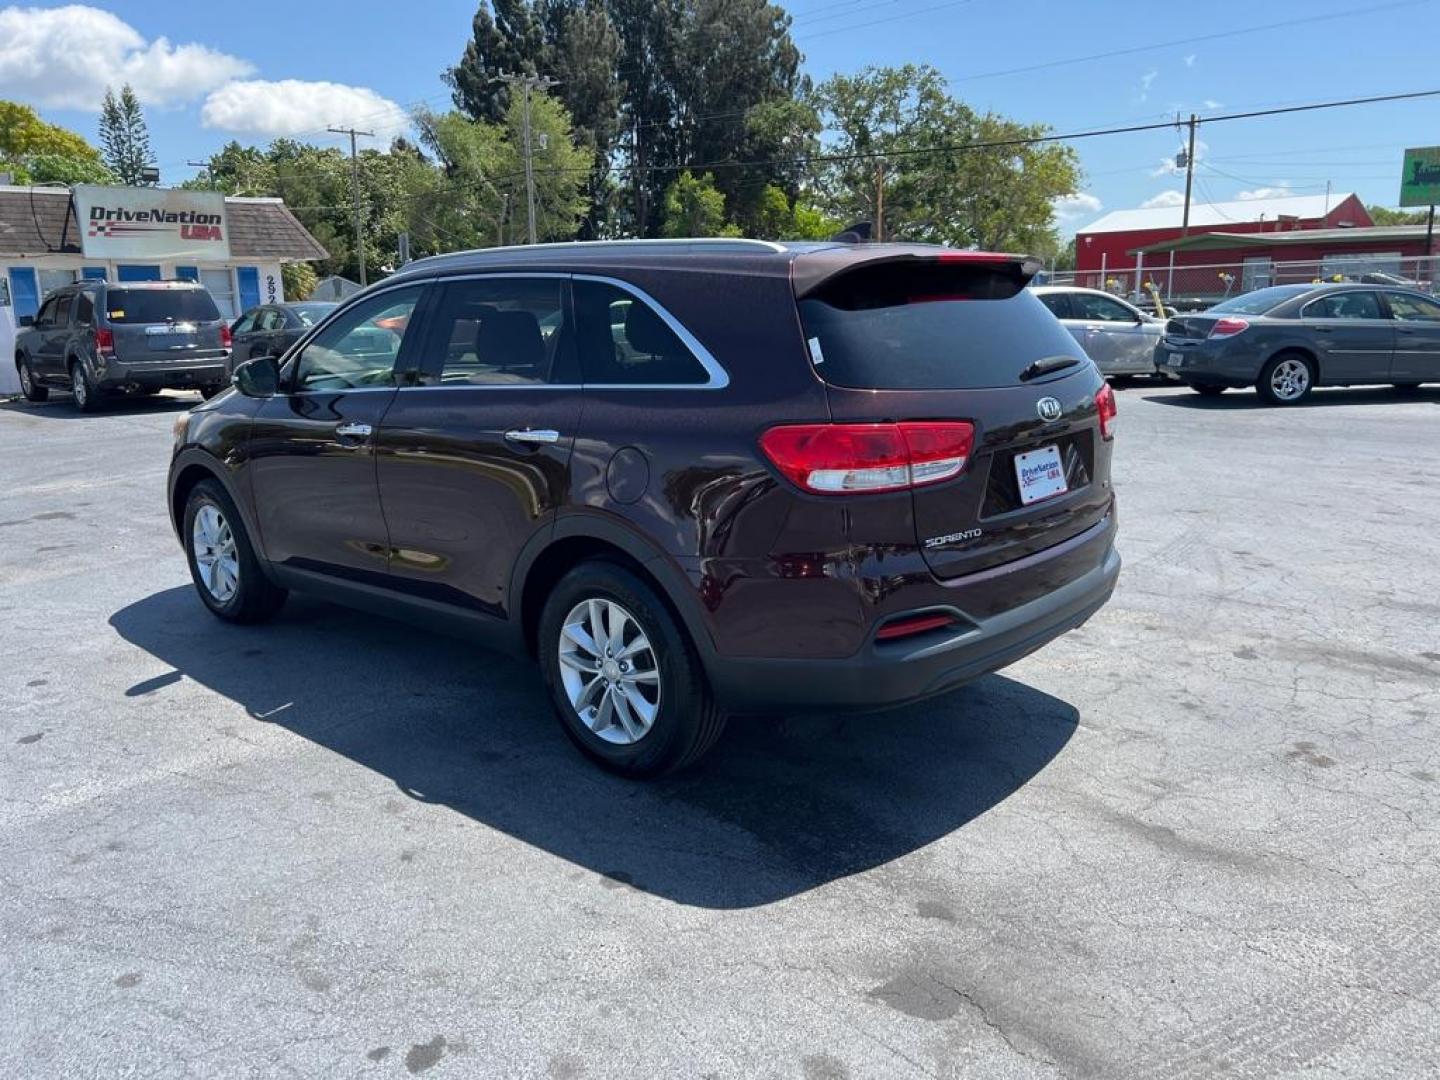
{"x": 50, "y": 280}
{"x": 137, "y": 273}
{"x": 222, "y": 288}
{"x": 187, "y": 273}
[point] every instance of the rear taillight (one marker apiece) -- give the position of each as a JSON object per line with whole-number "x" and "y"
{"x": 910, "y": 625}
{"x": 104, "y": 341}
{"x": 225, "y": 336}
{"x": 1105, "y": 409}
{"x": 1228, "y": 327}
{"x": 838, "y": 459}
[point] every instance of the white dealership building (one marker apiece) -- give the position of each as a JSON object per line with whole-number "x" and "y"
{"x": 53, "y": 236}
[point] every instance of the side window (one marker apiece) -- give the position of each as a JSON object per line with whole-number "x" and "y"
{"x": 359, "y": 349}
{"x": 244, "y": 324}
{"x": 496, "y": 331}
{"x": 1058, "y": 303}
{"x": 1408, "y": 308}
{"x": 1101, "y": 309}
{"x": 85, "y": 310}
{"x": 45, "y": 317}
{"x": 271, "y": 319}
{"x": 63, "y": 304}
{"x": 623, "y": 341}
{"x": 1344, "y": 305}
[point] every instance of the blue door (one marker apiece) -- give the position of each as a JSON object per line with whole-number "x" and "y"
{"x": 24, "y": 291}
{"x": 138, "y": 273}
{"x": 248, "y": 278}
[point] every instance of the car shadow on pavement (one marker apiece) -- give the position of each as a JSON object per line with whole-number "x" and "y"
{"x": 1324, "y": 397}
{"x": 780, "y": 807}
{"x": 61, "y": 407}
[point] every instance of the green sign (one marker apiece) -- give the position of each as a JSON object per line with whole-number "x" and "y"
{"x": 1420, "y": 178}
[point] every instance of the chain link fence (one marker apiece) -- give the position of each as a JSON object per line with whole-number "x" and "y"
{"x": 1194, "y": 287}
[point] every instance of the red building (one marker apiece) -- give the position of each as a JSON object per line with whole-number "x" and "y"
{"x": 1111, "y": 243}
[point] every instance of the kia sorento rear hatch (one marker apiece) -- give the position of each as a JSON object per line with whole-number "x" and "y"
{"x": 1002, "y": 421}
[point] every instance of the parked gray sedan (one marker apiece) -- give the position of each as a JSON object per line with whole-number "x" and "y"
{"x": 1118, "y": 336}
{"x": 1287, "y": 339}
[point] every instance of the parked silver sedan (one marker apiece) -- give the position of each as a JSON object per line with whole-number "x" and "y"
{"x": 1118, "y": 336}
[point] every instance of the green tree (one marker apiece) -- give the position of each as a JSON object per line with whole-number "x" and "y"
{"x": 695, "y": 207}
{"x": 36, "y": 152}
{"x": 299, "y": 280}
{"x": 909, "y": 159}
{"x": 1384, "y": 215}
{"x": 124, "y": 138}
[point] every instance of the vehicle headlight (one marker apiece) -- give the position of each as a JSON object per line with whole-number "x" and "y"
{"x": 181, "y": 427}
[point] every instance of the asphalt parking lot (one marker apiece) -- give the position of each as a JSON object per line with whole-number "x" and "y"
{"x": 1197, "y": 837}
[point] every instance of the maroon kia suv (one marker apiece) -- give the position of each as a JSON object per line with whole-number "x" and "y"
{"x": 690, "y": 478}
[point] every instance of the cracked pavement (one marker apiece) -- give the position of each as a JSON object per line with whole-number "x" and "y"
{"x": 1196, "y": 838}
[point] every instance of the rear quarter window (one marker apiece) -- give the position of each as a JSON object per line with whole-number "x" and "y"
{"x": 928, "y": 327}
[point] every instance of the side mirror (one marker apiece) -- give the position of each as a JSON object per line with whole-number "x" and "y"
{"x": 27, "y": 320}
{"x": 259, "y": 377}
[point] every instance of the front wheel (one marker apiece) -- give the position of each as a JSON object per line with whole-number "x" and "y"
{"x": 622, "y": 674}
{"x": 1286, "y": 379}
{"x": 223, "y": 564}
{"x": 32, "y": 390}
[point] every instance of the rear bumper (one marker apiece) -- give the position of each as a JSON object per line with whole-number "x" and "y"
{"x": 884, "y": 674}
{"x": 200, "y": 371}
{"x": 1214, "y": 363}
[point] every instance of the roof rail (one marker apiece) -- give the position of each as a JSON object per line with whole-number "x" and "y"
{"x": 737, "y": 245}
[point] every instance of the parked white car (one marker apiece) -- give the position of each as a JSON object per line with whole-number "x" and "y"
{"x": 1118, "y": 336}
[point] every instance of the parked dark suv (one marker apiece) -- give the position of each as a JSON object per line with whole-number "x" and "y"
{"x": 691, "y": 477}
{"x": 95, "y": 338}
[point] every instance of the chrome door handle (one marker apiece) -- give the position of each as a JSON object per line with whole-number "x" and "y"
{"x": 533, "y": 438}
{"x": 354, "y": 430}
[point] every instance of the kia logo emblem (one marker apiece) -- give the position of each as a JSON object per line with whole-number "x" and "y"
{"x": 1048, "y": 408}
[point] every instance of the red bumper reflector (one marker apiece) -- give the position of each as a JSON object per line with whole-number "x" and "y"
{"x": 914, "y": 624}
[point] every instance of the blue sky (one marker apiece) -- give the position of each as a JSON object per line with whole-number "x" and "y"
{"x": 209, "y": 73}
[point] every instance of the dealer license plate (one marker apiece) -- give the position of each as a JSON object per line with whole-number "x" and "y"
{"x": 1040, "y": 474}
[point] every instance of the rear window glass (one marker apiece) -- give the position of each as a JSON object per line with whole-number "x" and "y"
{"x": 928, "y": 327}
{"x": 160, "y": 305}
{"x": 1261, "y": 300}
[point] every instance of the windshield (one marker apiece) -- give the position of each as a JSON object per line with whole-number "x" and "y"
{"x": 928, "y": 327}
{"x": 160, "y": 305}
{"x": 1261, "y": 300}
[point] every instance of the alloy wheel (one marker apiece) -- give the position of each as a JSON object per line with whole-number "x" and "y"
{"x": 25, "y": 384}
{"x": 216, "y": 556}
{"x": 610, "y": 671}
{"x": 77, "y": 386}
{"x": 1290, "y": 379}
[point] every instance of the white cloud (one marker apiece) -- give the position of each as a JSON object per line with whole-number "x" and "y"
{"x": 65, "y": 57}
{"x": 1211, "y": 103}
{"x": 1168, "y": 167}
{"x": 1280, "y": 192}
{"x": 295, "y": 107}
{"x": 1078, "y": 205}
{"x": 1165, "y": 198}
{"x": 1146, "y": 81}
{"x": 1190, "y": 60}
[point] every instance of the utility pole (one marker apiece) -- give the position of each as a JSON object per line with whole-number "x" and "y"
{"x": 528, "y": 83}
{"x": 879, "y": 230}
{"x": 355, "y": 189}
{"x": 1189, "y": 177}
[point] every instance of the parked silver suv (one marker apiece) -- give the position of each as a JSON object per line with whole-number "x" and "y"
{"x": 95, "y": 338}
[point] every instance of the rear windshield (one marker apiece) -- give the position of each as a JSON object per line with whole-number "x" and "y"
{"x": 1261, "y": 300}
{"x": 160, "y": 305}
{"x": 928, "y": 327}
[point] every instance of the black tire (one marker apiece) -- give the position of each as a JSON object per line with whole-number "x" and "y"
{"x": 82, "y": 389}
{"x": 1208, "y": 389}
{"x": 688, "y": 721}
{"x": 1406, "y": 388}
{"x": 32, "y": 390}
{"x": 255, "y": 597}
{"x": 1265, "y": 385}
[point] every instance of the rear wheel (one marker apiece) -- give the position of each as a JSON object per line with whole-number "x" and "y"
{"x": 223, "y": 564}
{"x": 622, "y": 674}
{"x": 1208, "y": 389}
{"x": 32, "y": 390}
{"x": 84, "y": 392}
{"x": 1286, "y": 379}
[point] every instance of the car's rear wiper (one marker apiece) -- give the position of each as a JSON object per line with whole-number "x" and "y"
{"x": 1047, "y": 366}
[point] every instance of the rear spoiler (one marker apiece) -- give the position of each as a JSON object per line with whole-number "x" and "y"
{"x": 811, "y": 270}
